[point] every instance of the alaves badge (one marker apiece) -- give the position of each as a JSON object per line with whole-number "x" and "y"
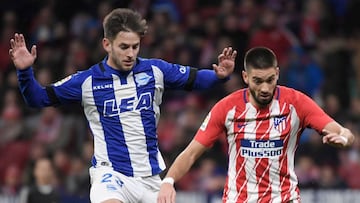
{"x": 142, "y": 79}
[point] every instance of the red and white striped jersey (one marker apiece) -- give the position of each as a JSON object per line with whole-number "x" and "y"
{"x": 262, "y": 143}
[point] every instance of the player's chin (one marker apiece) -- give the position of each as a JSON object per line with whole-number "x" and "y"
{"x": 127, "y": 64}
{"x": 127, "y": 67}
{"x": 265, "y": 100}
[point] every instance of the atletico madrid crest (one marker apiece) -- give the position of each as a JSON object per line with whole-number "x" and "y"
{"x": 280, "y": 123}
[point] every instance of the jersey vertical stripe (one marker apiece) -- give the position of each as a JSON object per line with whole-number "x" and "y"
{"x": 241, "y": 186}
{"x": 274, "y": 178}
{"x": 249, "y": 134}
{"x": 148, "y": 119}
{"x": 263, "y": 165}
{"x": 240, "y": 160}
{"x": 159, "y": 89}
{"x": 130, "y": 119}
{"x": 230, "y": 189}
{"x": 109, "y": 104}
{"x": 293, "y": 139}
{"x": 93, "y": 116}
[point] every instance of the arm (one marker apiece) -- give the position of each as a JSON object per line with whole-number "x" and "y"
{"x": 177, "y": 76}
{"x": 181, "y": 165}
{"x": 314, "y": 117}
{"x": 207, "y": 78}
{"x": 336, "y": 135}
{"x": 34, "y": 94}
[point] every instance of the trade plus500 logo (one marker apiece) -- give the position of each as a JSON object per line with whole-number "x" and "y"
{"x": 261, "y": 148}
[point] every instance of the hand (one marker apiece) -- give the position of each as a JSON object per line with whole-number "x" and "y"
{"x": 226, "y": 63}
{"x": 166, "y": 194}
{"x": 19, "y": 54}
{"x": 334, "y": 139}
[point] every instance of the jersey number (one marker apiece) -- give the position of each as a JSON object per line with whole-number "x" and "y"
{"x": 106, "y": 178}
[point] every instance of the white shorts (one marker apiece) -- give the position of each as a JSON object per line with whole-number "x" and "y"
{"x": 108, "y": 184}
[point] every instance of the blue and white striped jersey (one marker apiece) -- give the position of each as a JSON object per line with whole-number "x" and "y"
{"x": 122, "y": 108}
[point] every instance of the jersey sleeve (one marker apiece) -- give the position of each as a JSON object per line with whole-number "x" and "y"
{"x": 311, "y": 113}
{"x": 33, "y": 93}
{"x": 206, "y": 79}
{"x": 175, "y": 76}
{"x": 212, "y": 127}
{"x": 185, "y": 77}
{"x": 64, "y": 91}
{"x": 69, "y": 89}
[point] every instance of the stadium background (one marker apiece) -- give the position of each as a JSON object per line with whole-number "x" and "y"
{"x": 317, "y": 43}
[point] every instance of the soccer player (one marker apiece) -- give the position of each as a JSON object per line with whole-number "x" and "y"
{"x": 121, "y": 97}
{"x": 263, "y": 124}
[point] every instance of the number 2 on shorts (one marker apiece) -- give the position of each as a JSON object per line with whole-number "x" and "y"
{"x": 106, "y": 178}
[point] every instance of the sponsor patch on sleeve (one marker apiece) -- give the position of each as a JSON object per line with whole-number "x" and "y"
{"x": 205, "y": 122}
{"x": 62, "y": 81}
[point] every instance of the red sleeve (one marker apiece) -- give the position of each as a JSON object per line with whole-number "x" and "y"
{"x": 212, "y": 127}
{"x": 311, "y": 114}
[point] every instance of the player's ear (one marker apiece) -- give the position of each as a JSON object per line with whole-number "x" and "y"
{"x": 106, "y": 45}
{"x": 277, "y": 73}
{"x": 245, "y": 77}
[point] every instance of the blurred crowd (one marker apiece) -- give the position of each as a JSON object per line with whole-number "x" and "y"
{"x": 317, "y": 43}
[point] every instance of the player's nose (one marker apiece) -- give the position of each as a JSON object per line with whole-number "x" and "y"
{"x": 264, "y": 89}
{"x": 130, "y": 53}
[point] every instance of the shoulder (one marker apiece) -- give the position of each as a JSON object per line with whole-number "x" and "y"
{"x": 237, "y": 98}
{"x": 84, "y": 74}
{"x": 76, "y": 78}
{"x": 238, "y": 94}
{"x": 144, "y": 64}
{"x": 152, "y": 61}
{"x": 288, "y": 93}
{"x": 95, "y": 71}
{"x": 287, "y": 90}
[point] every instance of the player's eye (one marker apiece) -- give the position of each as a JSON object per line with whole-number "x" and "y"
{"x": 270, "y": 80}
{"x": 123, "y": 46}
{"x": 258, "y": 82}
{"x": 135, "y": 46}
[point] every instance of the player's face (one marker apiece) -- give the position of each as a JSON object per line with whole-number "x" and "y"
{"x": 262, "y": 84}
{"x": 123, "y": 50}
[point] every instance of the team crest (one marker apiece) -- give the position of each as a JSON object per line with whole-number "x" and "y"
{"x": 280, "y": 123}
{"x": 142, "y": 79}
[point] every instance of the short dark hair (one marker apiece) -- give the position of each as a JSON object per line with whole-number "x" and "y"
{"x": 123, "y": 19}
{"x": 260, "y": 58}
